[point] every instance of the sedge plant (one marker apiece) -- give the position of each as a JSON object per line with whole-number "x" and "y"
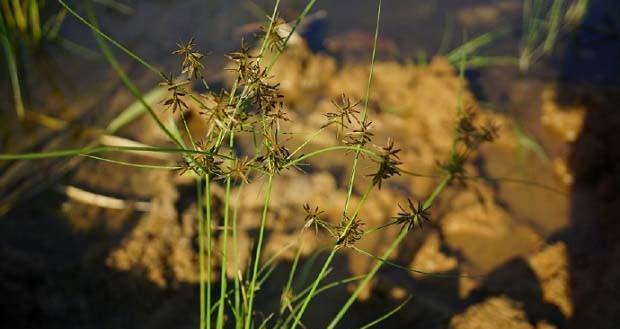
{"x": 254, "y": 109}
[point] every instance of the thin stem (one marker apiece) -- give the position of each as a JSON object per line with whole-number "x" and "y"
{"x": 109, "y": 39}
{"x": 315, "y": 285}
{"x": 223, "y": 279}
{"x": 237, "y": 281}
{"x": 293, "y": 29}
{"x": 317, "y": 292}
{"x": 209, "y": 246}
{"x": 328, "y": 149}
{"x": 387, "y": 315}
{"x": 93, "y": 150}
{"x": 306, "y": 142}
{"x": 403, "y": 233}
{"x": 358, "y": 149}
{"x": 201, "y": 255}
{"x": 328, "y": 261}
{"x": 120, "y": 72}
{"x": 131, "y": 164}
{"x": 13, "y": 70}
{"x": 259, "y": 245}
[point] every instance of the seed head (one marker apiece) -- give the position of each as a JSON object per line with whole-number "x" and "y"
{"x": 359, "y": 136}
{"x": 348, "y": 237}
{"x": 274, "y": 41}
{"x": 313, "y": 217}
{"x": 344, "y": 115}
{"x": 191, "y": 65}
{"x": 177, "y": 92}
{"x": 388, "y": 163}
{"x": 239, "y": 169}
{"x": 413, "y": 216}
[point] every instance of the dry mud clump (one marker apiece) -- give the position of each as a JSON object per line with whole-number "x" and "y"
{"x": 498, "y": 312}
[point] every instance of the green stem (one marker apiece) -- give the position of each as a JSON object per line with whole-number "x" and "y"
{"x": 259, "y": 245}
{"x": 328, "y": 149}
{"x": 109, "y": 39}
{"x": 20, "y": 17}
{"x": 387, "y": 315}
{"x": 209, "y": 246}
{"x": 237, "y": 301}
{"x": 94, "y": 150}
{"x": 223, "y": 279}
{"x": 120, "y": 72}
{"x": 293, "y": 29}
{"x": 358, "y": 149}
{"x": 328, "y": 261}
{"x": 201, "y": 255}
{"x": 12, "y": 68}
{"x": 403, "y": 233}
{"x": 315, "y": 285}
{"x": 35, "y": 22}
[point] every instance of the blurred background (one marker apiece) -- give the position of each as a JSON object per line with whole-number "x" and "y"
{"x": 534, "y": 250}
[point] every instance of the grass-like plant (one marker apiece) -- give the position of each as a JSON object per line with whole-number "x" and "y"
{"x": 543, "y": 24}
{"x": 254, "y": 108}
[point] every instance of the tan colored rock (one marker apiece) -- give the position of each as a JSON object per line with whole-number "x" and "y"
{"x": 493, "y": 313}
{"x": 551, "y": 268}
{"x": 430, "y": 258}
{"x": 563, "y": 120}
{"x": 563, "y": 172}
{"x": 161, "y": 245}
{"x": 484, "y": 232}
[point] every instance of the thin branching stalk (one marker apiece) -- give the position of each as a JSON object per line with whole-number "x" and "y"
{"x": 401, "y": 235}
{"x": 328, "y": 261}
{"x": 351, "y": 181}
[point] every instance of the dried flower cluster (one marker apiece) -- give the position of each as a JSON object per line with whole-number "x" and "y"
{"x": 348, "y": 237}
{"x": 191, "y": 65}
{"x": 313, "y": 218}
{"x": 175, "y": 100}
{"x": 412, "y": 217}
{"x": 344, "y": 115}
{"x": 388, "y": 163}
{"x": 468, "y": 139}
{"x": 473, "y": 136}
{"x": 274, "y": 39}
{"x": 253, "y": 105}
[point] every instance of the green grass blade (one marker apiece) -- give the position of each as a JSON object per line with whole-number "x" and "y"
{"x": 96, "y": 30}
{"x": 387, "y": 315}
{"x": 555, "y": 19}
{"x": 92, "y": 150}
{"x": 131, "y": 164}
{"x": 137, "y": 108}
{"x": 475, "y": 44}
{"x": 35, "y": 21}
{"x": 124, "y": 78}
{"x": 12, "y": 67}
